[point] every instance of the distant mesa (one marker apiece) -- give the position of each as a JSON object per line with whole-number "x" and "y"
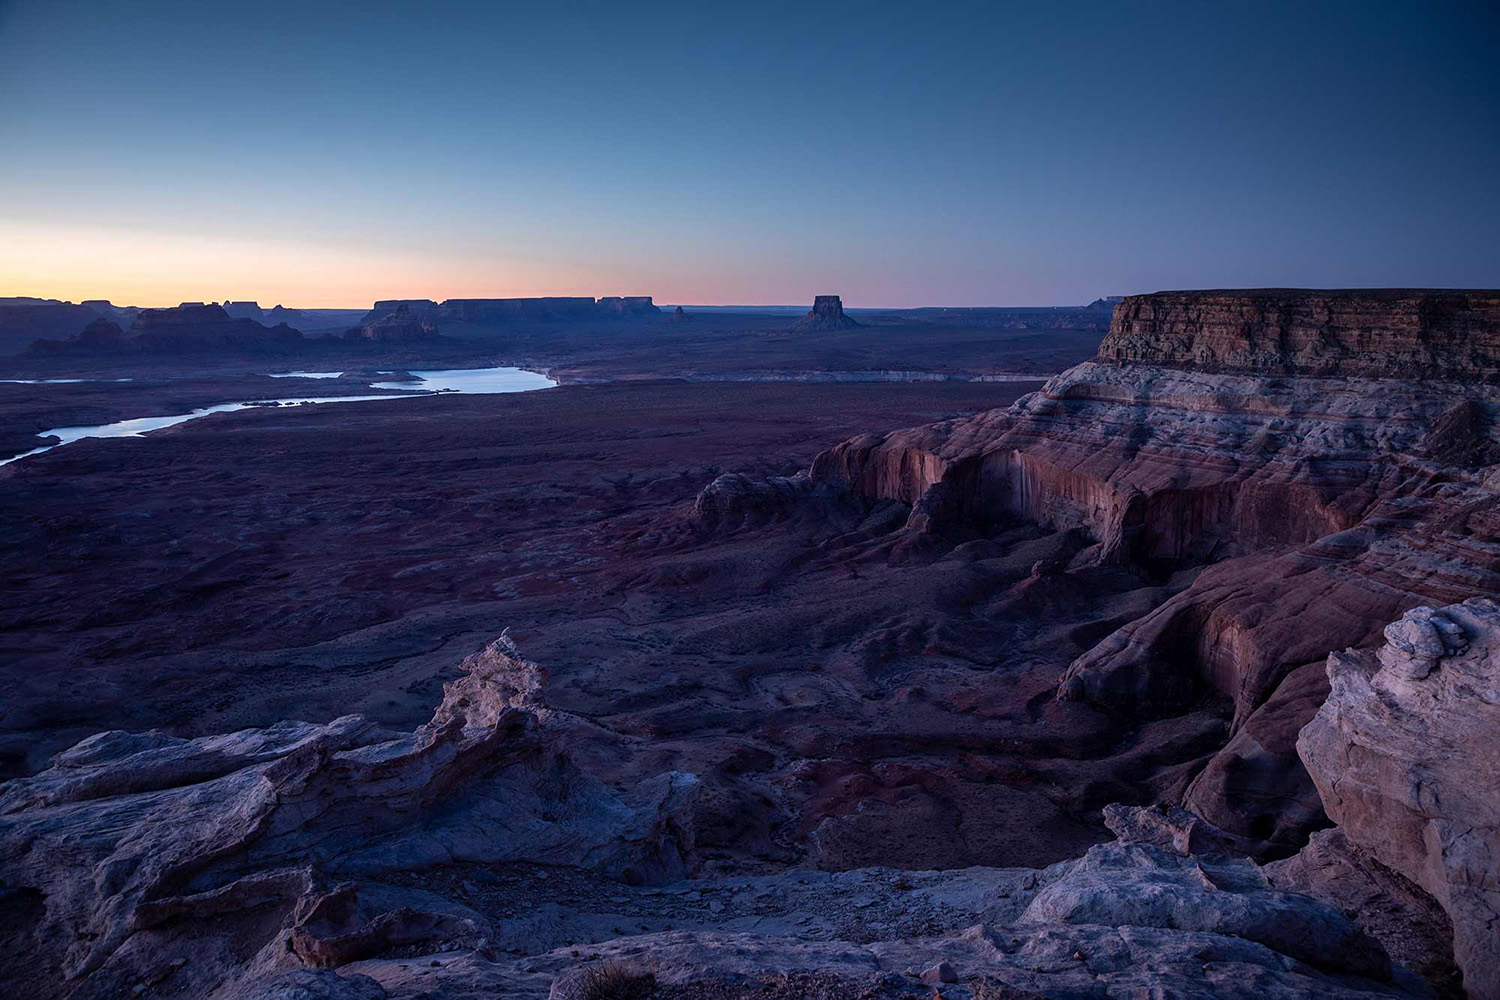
{"x": 627, "y": 305}
{"x": 827, "y": 313}
{"x": 678, "y": 315}
{"x": 400, "y": 326}
{"x": 499, "y": 312}
{"x": 245, "y": 310}
{"x": 52, "y": 327}
{"x": 24, "y": 319}
{"x": 1106, "y": 302}
{"x": 191, "y": 327}
{"x": 281, "y": 314}
{"x": 195, "y": 326}
{"x": 123, "y": 315}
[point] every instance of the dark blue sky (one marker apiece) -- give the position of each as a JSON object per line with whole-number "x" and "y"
{"x": 330, "y": 153}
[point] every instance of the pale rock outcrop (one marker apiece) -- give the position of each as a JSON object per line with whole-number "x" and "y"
{"x": 1124, "y": 921}
{"x": 1138, "y": 885}
{"x": 1170, "y": 828}
{"x": 126, "y": 834}
{"x": 1406, "y": 756}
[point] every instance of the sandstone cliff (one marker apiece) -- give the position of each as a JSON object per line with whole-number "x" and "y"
{"x": 1323, "y": 501}
{"x": 1395, "y": 333}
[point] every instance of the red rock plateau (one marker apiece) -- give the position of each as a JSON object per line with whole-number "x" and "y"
{"x": 1006, "y": 704}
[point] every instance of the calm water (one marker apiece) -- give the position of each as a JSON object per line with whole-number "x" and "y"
{"x": 472, "y": 380}
{"x": 59, "y": 381}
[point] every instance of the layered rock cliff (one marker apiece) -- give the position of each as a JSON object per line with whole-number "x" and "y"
{"x": 1398, "y": 333}
{"x": 1323, "y": 500}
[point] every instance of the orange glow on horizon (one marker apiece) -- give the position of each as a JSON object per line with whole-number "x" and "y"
{"x": 75, "y": 264}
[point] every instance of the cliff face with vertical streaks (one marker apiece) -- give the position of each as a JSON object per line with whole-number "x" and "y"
{"x": 1401, "y": 333}
{"x": 1264, "y": 436}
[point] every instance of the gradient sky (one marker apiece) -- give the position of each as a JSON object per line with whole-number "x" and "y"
{"x": 328, "y": 154}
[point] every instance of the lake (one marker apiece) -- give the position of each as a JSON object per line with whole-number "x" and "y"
{"x": 461, "y": 380}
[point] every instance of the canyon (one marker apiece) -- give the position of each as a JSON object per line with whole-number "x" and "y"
{"x": 1174, "y": 674}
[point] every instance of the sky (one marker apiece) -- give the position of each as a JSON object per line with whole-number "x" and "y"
{"x": 321, "y": 153}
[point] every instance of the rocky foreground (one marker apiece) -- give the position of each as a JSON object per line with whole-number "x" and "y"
{"x": 474, "y": 857}
{"x": 1337, "y": 837}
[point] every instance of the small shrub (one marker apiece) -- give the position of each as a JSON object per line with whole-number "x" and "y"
{"x": 616, "y": 981}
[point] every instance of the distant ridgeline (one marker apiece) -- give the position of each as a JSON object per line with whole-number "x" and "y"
{"x": 189, "y": 327}
{"x": 48, "y": 327}
{"x": 536, "y": 310}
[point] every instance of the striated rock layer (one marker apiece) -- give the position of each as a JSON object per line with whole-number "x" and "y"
{"x": 1323, "y": 501}
{"x": 1400, "y": 333}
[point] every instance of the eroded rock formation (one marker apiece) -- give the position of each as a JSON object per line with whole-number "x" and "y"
{"x": 1406, "y": 756}
{"x": 343, "y": 860}
{"x": 137, "y": 843}
{"x": 1323, "y": 501}
{"x": 508, "y": 848}
{"x": 827, "y": 313}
